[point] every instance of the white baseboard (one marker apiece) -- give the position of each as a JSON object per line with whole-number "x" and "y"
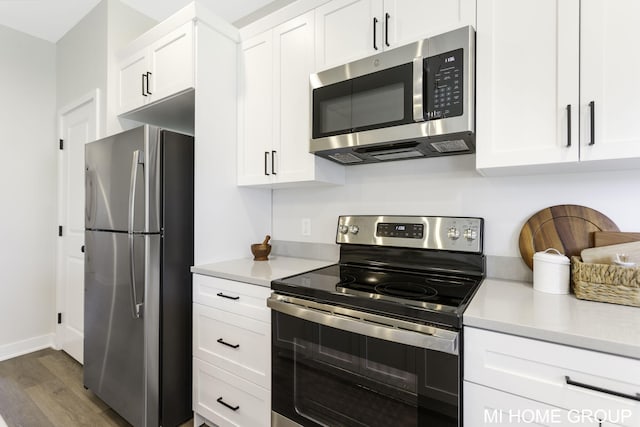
{"x": 18, "y": 348}
{"x": 2, "y": 423}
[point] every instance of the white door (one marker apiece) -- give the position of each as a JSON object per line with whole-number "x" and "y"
{"x": 78, "y": 125}
{"x": 345, "y": 31}
{"x": 255, "y": 104}
{"x": 527, "y": 69}
{"x": 294, "y": 61}
{"x": 131, "y": 84}
{"x": 171, "y": 63}
{"x": 410, "y": 20}
{"x": 609, "y": 77}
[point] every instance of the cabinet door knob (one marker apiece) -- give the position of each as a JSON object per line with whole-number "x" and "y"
{"x": 386, "y": 29}
{"x": 273, "y": 162}
{"x": 569, "y": 125}
{"x": 592, "y": 111}
{"x": 601, "y": 390}
{"x": 144, "y": 76}
{"x": 266, "y": 161}
{"x": 148, "y": 75}
{"x": 223, "y": 342}
{"x": 375, "y": 25}
{"x": 222, "y": 402}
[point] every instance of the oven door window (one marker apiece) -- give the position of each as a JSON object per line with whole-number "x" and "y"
{"x": 324, "y": 376}
{"x": 372, "y": 101}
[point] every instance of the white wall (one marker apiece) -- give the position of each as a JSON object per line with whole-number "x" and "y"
{"x": 28, "y": 229}
{"x": 86, "y": 58}
{"x": 451, "y": 186}
{"x": 81, "y": 61}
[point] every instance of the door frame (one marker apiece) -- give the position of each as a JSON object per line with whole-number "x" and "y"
{"x": 92, "y": 97}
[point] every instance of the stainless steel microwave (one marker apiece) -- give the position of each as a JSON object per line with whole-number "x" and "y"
{"x": 413, "y": 101}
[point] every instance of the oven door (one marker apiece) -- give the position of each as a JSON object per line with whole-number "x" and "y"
{"x": 333, "y": 366}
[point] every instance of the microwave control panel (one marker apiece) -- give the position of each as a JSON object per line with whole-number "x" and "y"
{"x": 442, "y": 81}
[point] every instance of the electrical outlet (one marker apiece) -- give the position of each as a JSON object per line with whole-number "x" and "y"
{"x": 306, "y": 226}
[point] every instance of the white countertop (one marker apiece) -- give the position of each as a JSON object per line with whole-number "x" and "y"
{"x": 516, "y": 308}
{"x": 259, "y": 272}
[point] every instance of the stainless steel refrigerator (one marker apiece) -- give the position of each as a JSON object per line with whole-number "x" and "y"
{"x": 139, "y": 248}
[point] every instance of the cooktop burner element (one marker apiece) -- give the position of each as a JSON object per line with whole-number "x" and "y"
{"x": 408, "y": 290}
{"x": 389, "y": 268}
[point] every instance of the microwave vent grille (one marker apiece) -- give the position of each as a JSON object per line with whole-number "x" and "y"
{"x": 450, "y": 146}
{"x": 346, "y": 158}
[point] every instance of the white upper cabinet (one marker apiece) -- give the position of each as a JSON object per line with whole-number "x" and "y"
{"x": 544, "y": 69}
{"x": 162, "y": 69}
{"x": 610, "y": 78}
{"x": 274, "y": 118}
{"x": 255, "y": 132}
{"x": 352, "y": 29}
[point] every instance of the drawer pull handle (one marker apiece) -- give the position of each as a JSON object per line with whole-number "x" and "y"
{"x": 601, "y": 390}
{"x": 222, "y": 402}
{"x": 221, "y": 341}
{"x": 220, "y": 294}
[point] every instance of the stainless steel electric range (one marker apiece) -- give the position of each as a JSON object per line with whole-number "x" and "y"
{"x": 376, "y": 339}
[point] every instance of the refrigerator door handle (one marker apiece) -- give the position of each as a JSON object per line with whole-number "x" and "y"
{"x": 138, "y": 160}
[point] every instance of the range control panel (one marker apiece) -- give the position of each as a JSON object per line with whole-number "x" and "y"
{"x": 463, "y": 234}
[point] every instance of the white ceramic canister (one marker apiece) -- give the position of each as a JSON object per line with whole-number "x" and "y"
{"x": 551, "y": 272}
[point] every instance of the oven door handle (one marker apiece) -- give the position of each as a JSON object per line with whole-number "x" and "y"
{"x": 371, "y": 325}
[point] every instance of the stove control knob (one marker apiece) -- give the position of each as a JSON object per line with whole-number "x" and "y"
{"x": 453, "y": 233}
{"x": 354, "y": 229}
{"x": 343, "y": 229}
{"x": 470, "y": 234}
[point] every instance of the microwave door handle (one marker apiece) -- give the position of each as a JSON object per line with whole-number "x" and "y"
{"x": 418, "y": 97}
{"x": 136, "y": 161}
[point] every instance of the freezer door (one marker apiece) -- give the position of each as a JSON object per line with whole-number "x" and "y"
{"x": 119, "y": 170}
{"x": 114, "y": 337}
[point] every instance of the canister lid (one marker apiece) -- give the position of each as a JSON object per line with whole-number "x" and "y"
{"x": 549, "y": 256}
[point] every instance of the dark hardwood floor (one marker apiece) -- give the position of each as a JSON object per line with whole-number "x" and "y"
{"x": 44, "y": 389}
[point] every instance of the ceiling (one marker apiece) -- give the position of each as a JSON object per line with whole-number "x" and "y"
{"x": 51, "y": 19}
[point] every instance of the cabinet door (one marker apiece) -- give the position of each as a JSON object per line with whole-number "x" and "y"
{"x": 610, "y": 77}
{"x": 294, "y": 61}
{"x": 527, "y": 75}
{"x": 130, "y": 82}
{"x": 255, "y": 103}
{"x": 411, "y": 20}
{"x": 484, "y": 406}
{"x": 345, "y": 31}
{"x": 171, "y": 63}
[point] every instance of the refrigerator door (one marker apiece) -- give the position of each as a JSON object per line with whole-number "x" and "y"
{"x": 114, "y": 339}
{"x": 121, "y": 173}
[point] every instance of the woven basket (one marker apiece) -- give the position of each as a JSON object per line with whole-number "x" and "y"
{"x": 606, "y": 283}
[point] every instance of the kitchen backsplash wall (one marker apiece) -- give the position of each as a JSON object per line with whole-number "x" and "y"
{"x": 451, "y": 186}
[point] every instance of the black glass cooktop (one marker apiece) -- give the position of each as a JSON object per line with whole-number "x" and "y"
{"x": 438, "y": 297}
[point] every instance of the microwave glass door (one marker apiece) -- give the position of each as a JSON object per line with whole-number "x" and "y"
{"x": 372, "y": 101}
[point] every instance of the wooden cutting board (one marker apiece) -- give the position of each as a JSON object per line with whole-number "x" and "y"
{"x": 607, "y": 254}
{"x": 567, "y": 228}
{"x": 605, "y": 238}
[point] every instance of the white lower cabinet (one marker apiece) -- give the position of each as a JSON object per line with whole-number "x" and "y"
{"x": 231, "y": 353}
{"x": 226, "y": 400}
{"x": 486, "y": 406}
{"x": 524, "y": 377}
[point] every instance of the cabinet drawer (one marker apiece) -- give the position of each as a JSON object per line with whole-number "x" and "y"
{"x": 484, "y": 406}
{"x": 547, "y": 372}
{"x": 237, "y": 344}
{"x": 214, "y": 387}
{"x": 235, "y": 297}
